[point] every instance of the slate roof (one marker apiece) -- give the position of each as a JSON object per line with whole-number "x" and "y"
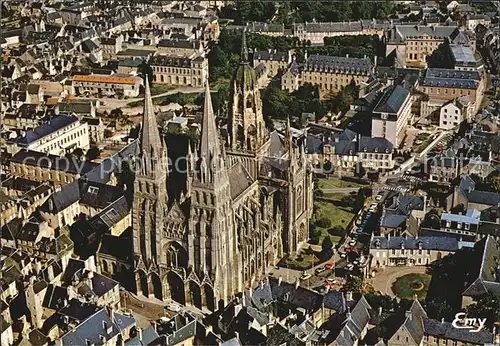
{"x": 112, "y": 214}
{"x": 270, "y": 55}
{"x": 393, "y": 100}
{"x": 451, "y": 78}
{"x": 336, "y": 64}
{"x": 354, "y": 324}
{"x": 53, "y": 162}
{"x": 239, "y": 179}
{"x": 445, "y": 330}
{"x": 53, "y": 125}
{"x": 414, "y": 243}
{"x": 471, "y": 217}
{"x": 271, "y": 290}
{"x": 486, "y": 275}
{"x": 55, "y": 297}
{"x": 405, "y": 32}
{"x": 91, "y": 329}
{"x": 375, "y": 145}
{"x": 99, "y": 195}
{"x": 63, "y": 198}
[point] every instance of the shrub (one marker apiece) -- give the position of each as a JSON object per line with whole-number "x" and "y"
{"x": 323, "y": 222}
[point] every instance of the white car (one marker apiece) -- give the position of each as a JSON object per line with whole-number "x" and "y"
{"x": 343, "y": 255}
{"x": 305, "y": 277}
{"x": 349, "y": 266}
{"x": 378, "y": 197}
{"x": 356, "y": 262}
{"x": 352, "y": 243}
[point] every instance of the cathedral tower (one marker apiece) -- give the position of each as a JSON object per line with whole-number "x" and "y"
{"x": 211, "y": 238}
{"x": 150, "y": 196}
{"x": 247, "y": 129}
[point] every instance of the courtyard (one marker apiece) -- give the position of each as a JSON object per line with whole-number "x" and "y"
{"x": 385, "y": 278}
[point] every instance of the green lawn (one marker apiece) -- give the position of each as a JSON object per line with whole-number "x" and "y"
{"x": 301, "y": 262}
{"x": 332, "y": 182}
{"x": 408, "y": 285}
{"x": 337, "y": 216}
{"x": 157, "y": 89}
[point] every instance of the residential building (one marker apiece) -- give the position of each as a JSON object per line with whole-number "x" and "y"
{"x": 126, "y": 85}
{"x": 408, "y": 251}
{"x": 417, "y": 328}
{"x": 177, "y": 70}
{"x": 473, "y": 20}
{"x": 57, "y": 136}
{"x": 96, "y": 129}
{"x": 482, "y": 277}
{"x": 330, "y": 73}
{"x": 184, "y": 48}
{"x": 467, "y": 195}
{"x": 462, "y": 224}
{"x": 453, "y": 113}
{"x": 344, "y": 150}
{"x": 402, "y": 215}
{"x": 392, "y": 115}
{"x": 111, "y": 46}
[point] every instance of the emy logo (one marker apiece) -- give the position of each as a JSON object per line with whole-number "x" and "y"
{"x": 475, "y": 325}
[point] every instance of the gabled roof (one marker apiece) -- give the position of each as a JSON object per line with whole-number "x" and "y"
{"x": 445, "y": 330}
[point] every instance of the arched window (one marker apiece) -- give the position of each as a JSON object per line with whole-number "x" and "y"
{"x": 249, "y": 103}
{"x": 299, "y": 200}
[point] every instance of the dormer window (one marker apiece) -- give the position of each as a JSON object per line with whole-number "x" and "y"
{"x": 377, "y": 244}
{"x": 402, "y": 245}
{"x": 419, "y": 245}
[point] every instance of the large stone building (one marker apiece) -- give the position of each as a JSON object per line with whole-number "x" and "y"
{"x": 243, "y": 207}
{"x": 329, "y": 73}
{"x": 180, "y": 70}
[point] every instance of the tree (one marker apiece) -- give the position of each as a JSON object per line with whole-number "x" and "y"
{"x": 328, "y": 167}
{"x": 359, "y": 170}
{"x": 78, "y": 153}
{"x": 116, "y": 113}
{"x": 373, "y": 176}
{"x": 439, "y": 309}
{"x": 275, "y": 102}
{"x": 353, "y": 284}
{"x": 377, "y": 301}
{"x": 486, "y": 307}
{"x": 327, "y": 244}
{"x": 218, "y": 64}
{"x": 147, "y": 71}
{"x": 93, "y": 153}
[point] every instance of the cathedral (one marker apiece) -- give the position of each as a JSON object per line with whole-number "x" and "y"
{"x": 247, "y": 202}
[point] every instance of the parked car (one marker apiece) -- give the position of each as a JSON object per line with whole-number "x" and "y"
{"x": 343, "y": 255}
{"x": 379, "y": 197}
{"x": 349, "y": 266}
{"x": 320, "y": 270}
{"x": 352, "y": 243}
{"x": 305, "y": 276}
{"x": 329, "y": 265}
{"x": 331, "y": 279}
{"x": 356, "y": 262}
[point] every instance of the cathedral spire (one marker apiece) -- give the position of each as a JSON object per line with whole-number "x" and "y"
{"x": 151, "y": 145}
{"x": 209, "y": 142}
{"x": 244, "y": 49}
{"x": 150, "y": 136}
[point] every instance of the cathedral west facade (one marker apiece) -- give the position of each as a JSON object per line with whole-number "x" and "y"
{"x": 247, "y": 202}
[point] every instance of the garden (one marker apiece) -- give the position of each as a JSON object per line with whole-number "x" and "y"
{"x": 409, "y": 285}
